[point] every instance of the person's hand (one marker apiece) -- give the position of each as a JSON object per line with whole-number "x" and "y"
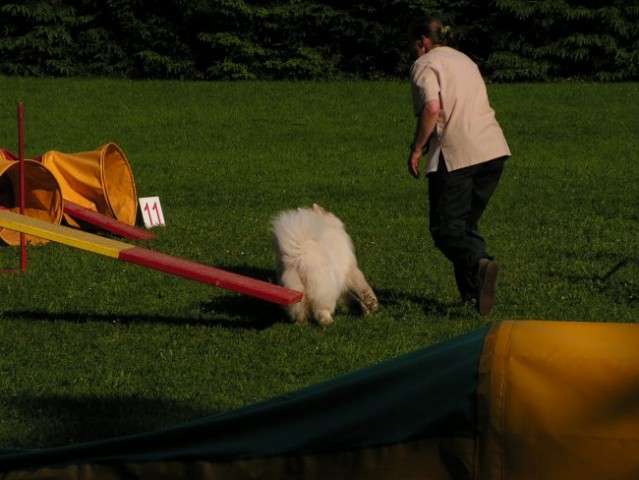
{"x": 413, "y": 163}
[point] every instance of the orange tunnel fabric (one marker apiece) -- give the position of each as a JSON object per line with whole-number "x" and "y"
{"x": 100, "y": 180}
{"x": 560, "y": 400}
{"x": 43, "y": 196}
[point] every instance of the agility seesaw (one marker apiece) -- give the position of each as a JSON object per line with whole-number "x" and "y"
{"x": 148, "y": 258}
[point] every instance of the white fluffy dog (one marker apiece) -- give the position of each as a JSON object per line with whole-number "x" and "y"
{"x": 316, "y": 256}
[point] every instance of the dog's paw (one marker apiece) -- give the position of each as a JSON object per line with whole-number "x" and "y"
{"x": 324, "y": 318}
{"x": 298, "y": 313}
{"x": 369, "y": 303}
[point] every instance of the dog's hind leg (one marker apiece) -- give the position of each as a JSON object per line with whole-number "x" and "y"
{"x": 323, "y": 317}
{"x": 323, "y": 305}
{"x": 361, "y": 290}
{"x": 298, "y": 311}
{"x": 323, "y": 294}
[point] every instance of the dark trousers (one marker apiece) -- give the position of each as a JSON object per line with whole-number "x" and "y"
{"x": 457, "y": 201}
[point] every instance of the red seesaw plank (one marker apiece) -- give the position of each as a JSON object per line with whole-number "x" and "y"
{"x": 147, "y": 258}
{"x": 105, "y": 222}
{"x": 213, "y": 276}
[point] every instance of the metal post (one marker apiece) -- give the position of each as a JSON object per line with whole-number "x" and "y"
{"x": 23, "y": 237}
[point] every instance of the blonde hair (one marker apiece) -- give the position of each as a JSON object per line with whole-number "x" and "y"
{"x": 434, "y": 29}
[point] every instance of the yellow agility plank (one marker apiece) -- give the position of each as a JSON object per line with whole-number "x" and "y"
{"x": 60, "y": 234}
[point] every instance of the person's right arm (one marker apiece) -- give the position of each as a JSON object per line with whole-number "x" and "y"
{"x": 426, "y": 122}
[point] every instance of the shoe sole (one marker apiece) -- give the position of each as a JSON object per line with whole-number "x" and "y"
{"x": 486, "y": 300}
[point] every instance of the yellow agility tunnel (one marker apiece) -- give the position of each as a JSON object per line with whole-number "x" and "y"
{"x": 100, "y": 180}
{"x": 518, "y": 400}
{"x": 43, "y": 196}
{"x": 70, "y": 186}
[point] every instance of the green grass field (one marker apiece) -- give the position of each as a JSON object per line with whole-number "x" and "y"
{"x": 92, "y": 348}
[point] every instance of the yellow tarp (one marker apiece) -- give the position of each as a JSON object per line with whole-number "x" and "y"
{"x": 559, "y": 400}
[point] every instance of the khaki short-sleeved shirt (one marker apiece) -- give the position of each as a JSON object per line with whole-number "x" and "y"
{"x": 467, "y": 131}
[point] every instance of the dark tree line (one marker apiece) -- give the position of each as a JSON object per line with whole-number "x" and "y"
{"x": 511, "y": 40}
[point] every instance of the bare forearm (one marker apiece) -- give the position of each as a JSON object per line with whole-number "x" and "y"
{"x": 425, "y": 126}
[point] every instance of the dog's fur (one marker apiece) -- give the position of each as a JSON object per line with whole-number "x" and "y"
{"x": 316, "y": 256}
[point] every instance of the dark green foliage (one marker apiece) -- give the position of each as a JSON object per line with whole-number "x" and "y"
{"x": 511, "y": 40}
{"x": 36, "y": 38}
{"x": 566, "y": 39}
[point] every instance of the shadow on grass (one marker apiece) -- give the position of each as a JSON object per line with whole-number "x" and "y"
{"x": 231, "y": 310}
{"x": 249, "y": 311}
{"x": 601, "y": 280}
{"x": 229, "y": 313}
{"x": 430, "y": 306}
{"x": 609, "y": 278}
{"x": 387, "y": 298}
{"x": 52, "y": 421}
{"x": 236, "y": 311}
{"x": 244, "y": 312}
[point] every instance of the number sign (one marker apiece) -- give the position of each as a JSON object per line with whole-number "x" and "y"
{"x": 151, "y": 211}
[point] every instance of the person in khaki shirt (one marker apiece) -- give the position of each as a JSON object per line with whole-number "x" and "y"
{"x": 466, "y": 151}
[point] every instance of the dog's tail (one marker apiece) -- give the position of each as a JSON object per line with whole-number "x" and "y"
{"x": 293, "y": 228}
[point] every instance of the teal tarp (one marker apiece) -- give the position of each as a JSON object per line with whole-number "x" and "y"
{"x": 424, "y": 394}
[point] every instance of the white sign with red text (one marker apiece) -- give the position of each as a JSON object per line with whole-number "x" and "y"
{"x": 151, "y": 212}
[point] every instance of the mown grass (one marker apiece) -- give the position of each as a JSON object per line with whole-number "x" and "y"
{"x": 92, "y": 348}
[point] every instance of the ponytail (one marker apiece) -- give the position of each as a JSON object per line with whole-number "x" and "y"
{"x": 446, "y": 35}
{"x": 435, "y": 30}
